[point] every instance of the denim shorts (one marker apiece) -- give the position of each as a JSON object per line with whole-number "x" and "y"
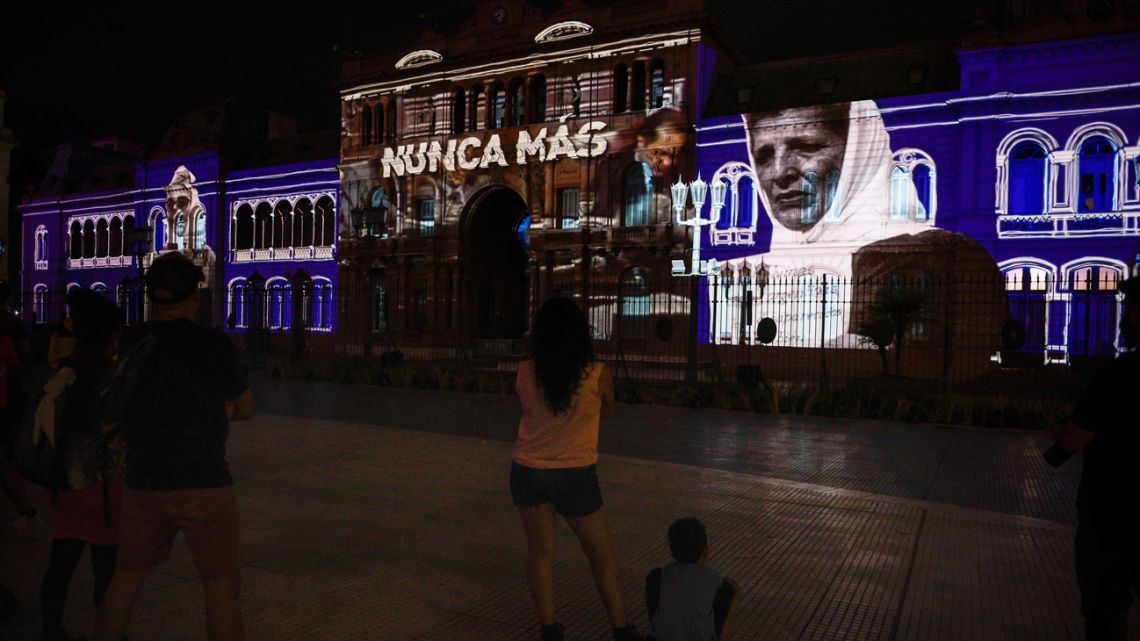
{"x": 574, "y": 491}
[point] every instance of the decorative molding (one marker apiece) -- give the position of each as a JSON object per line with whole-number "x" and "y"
{"x": 563, "y": 31}
{"x": 419, "y": 58}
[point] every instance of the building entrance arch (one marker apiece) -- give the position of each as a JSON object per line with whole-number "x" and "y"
{"x": 494, "y": 265}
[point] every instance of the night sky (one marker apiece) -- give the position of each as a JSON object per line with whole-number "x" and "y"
{"x": 90, "y": 70}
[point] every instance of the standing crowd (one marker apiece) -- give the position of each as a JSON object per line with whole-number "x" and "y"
{"x": 127, "y": 430}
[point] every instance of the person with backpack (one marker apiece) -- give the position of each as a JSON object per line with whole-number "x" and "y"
{"x": 174, "y": 409}
{"x": 86, "y": 497}
{"x": 564, "y": 393}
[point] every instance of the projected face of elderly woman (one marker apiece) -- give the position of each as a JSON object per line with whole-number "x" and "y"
{"x": 788, "y": 145}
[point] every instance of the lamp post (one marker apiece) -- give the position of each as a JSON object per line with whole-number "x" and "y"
{"x": 699, "y": 190}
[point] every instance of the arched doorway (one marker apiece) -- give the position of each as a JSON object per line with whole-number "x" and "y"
{"x": 494, "y": 283}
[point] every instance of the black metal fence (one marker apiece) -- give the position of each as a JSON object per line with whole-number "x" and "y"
{"x": 954, "y": 330}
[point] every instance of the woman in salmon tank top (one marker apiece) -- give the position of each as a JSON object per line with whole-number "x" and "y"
{"x": 564, "y": 392}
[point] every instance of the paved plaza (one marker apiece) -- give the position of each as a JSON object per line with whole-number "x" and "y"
{"x": 373, "y": 513}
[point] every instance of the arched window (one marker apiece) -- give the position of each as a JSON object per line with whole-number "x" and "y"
{"x": 809, "y": 198}
{"x": 830, "y": 189}
{"x": 366, "y": 125}
{"x": 1097, "y": 171}
{"x": 390, "y": 120}
{"x": 89, "y": 239}
{"x": 621, "y": 89}
{"x": 496, "y": 107}
{"x": 115, "y": 237}
{"x": 913, "y": 187}
{"x": 41, "y": 248}
{"x": 325, "y": 224}
{"x": 476, "y": 100}
{"x": 575, "y": 96}
{"x": 657, "y": 85}
{"x": 200, "y": 230}
{"x": 76, "y": 239}
{"x": 639, "y": 195}
{"x": 322, "y": 302}
{"x": 518, "y": 102}
{"x": 634, "y": 303}
{"x": 243, "y": 229}
{"x": 279, "y": 294}
{"x": 537, "y": 98}
{"x": 1094, "y": 311}
{"x": 40, "y": 303}
{"x": 101, "y": 238}
{"x": 924, "y": 191}
{"x": 262, "y": 226}
{"x": 180, "y": 230}
{"x": 99, "y": 288}
{"x": 379, "y": 118}
{"x": 282, "y": 224}
{"x": 458, "y": 111}
{"x": 900, "y": 192}
{"x": 158, "y": 227}
{"x": 1028, "y": 171}
{"x": 1027, "y": 289}
{"x": 236, "y": 316}
{"x": 638, "y": 98}
{"x": 128, "y": 225}
{"x": 302, "y": 223}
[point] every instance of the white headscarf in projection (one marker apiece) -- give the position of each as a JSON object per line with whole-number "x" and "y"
{"x": 861, "y": 197}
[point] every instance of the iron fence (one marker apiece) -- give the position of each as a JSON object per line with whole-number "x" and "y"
{"x": 955, "y": 330}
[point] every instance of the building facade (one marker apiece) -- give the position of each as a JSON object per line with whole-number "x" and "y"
{"x": 535, "y": 154}
{"x": 264, "y": 238}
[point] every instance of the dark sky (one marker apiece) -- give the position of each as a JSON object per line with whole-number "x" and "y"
{"x": 93, "y": 69}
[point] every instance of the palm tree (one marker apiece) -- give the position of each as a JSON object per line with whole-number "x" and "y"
{"x": 891, "y": 315}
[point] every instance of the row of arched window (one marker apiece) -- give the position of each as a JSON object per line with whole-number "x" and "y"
{"x": 278, "y": 306}
{"x": 636, "y": 86}
{"x": 91, "y": 238}
{"x": 1037, "y": 176}
{"x": 300, "y": 223}
{"x": 127, "y": 296}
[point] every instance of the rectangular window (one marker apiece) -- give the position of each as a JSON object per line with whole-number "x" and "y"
{"x": 568, "y": 207}
{"x": 425, "y": 216}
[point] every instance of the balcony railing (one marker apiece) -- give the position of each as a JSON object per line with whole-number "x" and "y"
{"x": 94, "y": 263}
{"x": 282, "y": 254}
{"x": 1064, "y": 225}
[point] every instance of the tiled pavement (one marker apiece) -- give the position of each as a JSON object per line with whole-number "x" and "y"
{"x": 358, "y": 528}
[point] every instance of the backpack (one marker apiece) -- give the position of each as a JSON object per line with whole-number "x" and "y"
{"x": 41, "y": 449}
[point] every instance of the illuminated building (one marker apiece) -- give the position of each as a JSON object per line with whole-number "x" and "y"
{"x": 531, "y": 155}
{"x": 264, "y": 236}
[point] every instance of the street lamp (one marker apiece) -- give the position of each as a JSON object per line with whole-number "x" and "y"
{"x": 699, "y": 190}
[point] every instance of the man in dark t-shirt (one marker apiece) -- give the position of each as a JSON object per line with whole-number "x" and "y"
{"x": 1104, "y": 425}
{"x": 188, "y": 386}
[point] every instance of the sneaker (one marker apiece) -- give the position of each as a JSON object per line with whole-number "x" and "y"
{"x": 628, "y": 633}
{"x": 553, "y": 632}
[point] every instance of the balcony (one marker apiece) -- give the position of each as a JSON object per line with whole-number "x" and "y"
{"x": 282, "y": 254}
{"x": 1069, "y": 225}
{"x": 95, "y": 263}
{"x": 642, "y": 235}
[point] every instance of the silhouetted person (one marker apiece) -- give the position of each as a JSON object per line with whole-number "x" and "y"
{"x": 85, "y": 506}
{"x": 175, "y": 427}
{"x": 564, "y": 393}
{"x": 1104, "y": 425}
{"x": 687, "y": 600}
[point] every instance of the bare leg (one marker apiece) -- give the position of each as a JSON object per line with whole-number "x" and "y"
{"x": 593, "y": 531}
{"x": 539, "y": 523}
{"x": 223, "y": 610}
{"x": 115, "y": 614}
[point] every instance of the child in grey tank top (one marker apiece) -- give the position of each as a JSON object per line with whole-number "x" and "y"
{"x": 687, "y": 600}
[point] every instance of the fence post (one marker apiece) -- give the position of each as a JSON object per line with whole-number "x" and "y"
{"x": 823, "y": 332}
{"x": 694, "y": 315}
{"x": 947, "y": 319}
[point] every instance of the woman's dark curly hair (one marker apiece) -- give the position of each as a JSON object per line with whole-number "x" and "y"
{"x": 562, "y": 350}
